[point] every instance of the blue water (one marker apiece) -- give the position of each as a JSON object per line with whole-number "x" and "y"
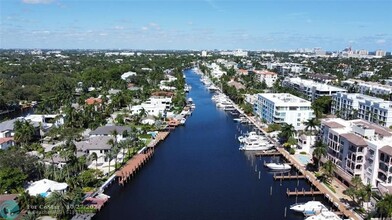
{"x": 199, "y": 173}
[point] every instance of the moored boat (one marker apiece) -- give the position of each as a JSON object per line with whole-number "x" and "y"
{"x": 325, "y": 214}
{"x": 308, "y": 208}
{"x": 278, "y": 166}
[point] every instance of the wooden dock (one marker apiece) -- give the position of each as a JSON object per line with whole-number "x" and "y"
{"x": 265, "y": 154}
{"x": 132, "y": 166}
{"x": 160, "y": 137}
{"x": 303, "y": 192}
{"x": 288, "y": 177}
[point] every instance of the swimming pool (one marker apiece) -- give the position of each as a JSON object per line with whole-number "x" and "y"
{"x": 303, "y": 159}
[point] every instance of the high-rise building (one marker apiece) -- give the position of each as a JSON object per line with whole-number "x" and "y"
{"x": 381, "y": 53}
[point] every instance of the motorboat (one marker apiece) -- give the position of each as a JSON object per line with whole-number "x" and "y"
{"x": 278, "y": 166}
{"x": 308, "y": 208}
{"x": 250, "y": 136}
{"x": 325, "y": 214}
{"x": 182, "y": 121}
{"x": 254, "y": 142}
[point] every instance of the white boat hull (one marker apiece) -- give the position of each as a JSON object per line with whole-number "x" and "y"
{"x": 275, "y": 166}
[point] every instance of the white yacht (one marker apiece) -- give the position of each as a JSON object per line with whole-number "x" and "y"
{"x": 182, "y": 121}
{"x": 278, "y": 166}
{"x": 324, "y": 215}
{"x": 251, "y": 134}
{"x": 255, "y": 142}
{"x": 308, "y": 208}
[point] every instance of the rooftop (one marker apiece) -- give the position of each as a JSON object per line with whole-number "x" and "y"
{"x": 94, "y": 143}
{"x": 313, "y": 84}
{"x": 285, "y": 99}
{"x": 108, "y": 130}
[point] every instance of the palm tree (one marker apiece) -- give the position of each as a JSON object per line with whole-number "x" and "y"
{"x": 30, "y": 216}
{"x": 384, "y": 206}
{"x": 93, "y": 157}
{"x": 356, "y": 181}
{"x": 109, "y": 156}
{"x": 312, "y": 125}
{"x": 287, "y": 131}
{"x": 24, "y": 199}
{"x": 61, "y": 202}
{"x": 329, "y": 169}
{"x": 24, "y": 131}
{"x": 50, "y": 155}
{"x": 320, "y": 150}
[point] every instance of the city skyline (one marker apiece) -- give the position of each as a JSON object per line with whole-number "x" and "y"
{"x": 193, "y": 24}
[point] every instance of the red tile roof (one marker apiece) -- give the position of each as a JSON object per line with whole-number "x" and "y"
{"x": 332, "y": 124}
{"x": 355, "y": 139}
{"x": 92, "y": 101}
{"x": 387, "y": 149}
{"x": 6, "y": 139}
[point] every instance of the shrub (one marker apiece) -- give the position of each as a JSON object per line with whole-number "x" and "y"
{"x": 291, "y": 151}
{"x": 302, "y": 152}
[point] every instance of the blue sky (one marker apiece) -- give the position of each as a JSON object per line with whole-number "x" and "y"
{"x": 196, "y": 24}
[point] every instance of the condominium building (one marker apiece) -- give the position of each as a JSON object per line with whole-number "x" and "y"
{"x": 356, "y": 105}
{"x": 368, "y": 87}
{"x": 283, "y": 108}
{"x": 359, "y": 148}
{"x": 268, "y": 77}
{"x": 310, "y": 88}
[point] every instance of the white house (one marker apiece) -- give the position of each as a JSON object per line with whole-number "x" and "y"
{"x": 45, "y": 187}
{"x": 125, "y": 76}
{"x": 154, "y": 106}
{"x": 96, "y": 144}
{"x": 283, "y": 108}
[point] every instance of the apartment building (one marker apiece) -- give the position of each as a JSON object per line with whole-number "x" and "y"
{"x": 359, "y": 148}
{"x": 356, "y": 105}
{"x": 310, "y": 88}
{"x": 268, "y": 77}
{"x": 283, "y": 108}
{"x": 368, "y": 87}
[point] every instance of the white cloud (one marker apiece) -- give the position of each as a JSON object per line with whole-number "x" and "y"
{"x": 119, "y": 27}
{"x": 37, "y": 1}
{"x": 144, "y": 28}
{"x": 381, "y": 41}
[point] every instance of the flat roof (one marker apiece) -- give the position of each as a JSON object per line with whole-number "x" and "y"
{"x": 285, "y": 99}
{"x": 317, "y": 85}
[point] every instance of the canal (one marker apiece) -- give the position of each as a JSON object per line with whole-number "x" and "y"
{"x": 199, "y": 173}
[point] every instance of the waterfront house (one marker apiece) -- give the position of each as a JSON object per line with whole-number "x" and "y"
{"x": 108, "y": 130}
{"x": 96, "y": 144}
{"x": 45, "y": 187}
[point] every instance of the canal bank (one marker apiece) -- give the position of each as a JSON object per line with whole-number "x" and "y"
{"x": 199, "y": 173}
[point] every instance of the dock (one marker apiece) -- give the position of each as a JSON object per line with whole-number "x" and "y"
{"x": 288, "y": 177}
{"x": 323, "y": 190}
{"x": 132, "y": 166}
{"x": 303, "y": 192}
{"x": 266, "y": 154}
